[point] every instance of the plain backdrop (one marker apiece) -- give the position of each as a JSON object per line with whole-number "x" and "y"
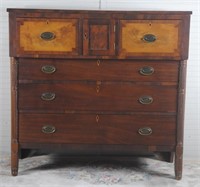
{"x": 192, "y": 112}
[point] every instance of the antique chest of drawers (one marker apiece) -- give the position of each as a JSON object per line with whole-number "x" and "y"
{"x": 98, "y": 82}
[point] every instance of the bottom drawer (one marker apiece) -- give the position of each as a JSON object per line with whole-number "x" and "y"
{"x": 97, "y": 129}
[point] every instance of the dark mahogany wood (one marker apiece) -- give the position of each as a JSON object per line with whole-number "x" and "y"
{"x": 89, "y": 96}
{"x": 98, "y": 129}
{"x": 80, "y": 81}
{"x": 98, "y": 69}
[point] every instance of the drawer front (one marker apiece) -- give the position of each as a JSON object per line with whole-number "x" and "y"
{"x": 150, "y": 38}
{"x": 99, "y": 96}
{"x": 122, "y": 70}
{"x": 97, "y": 129}
{"x": 47, "y": 36}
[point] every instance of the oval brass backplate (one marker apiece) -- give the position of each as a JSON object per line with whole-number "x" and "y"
{"x": 48, "y": 96}
{"x": 146, "y": 70}
{"x": 145, "y": 100}
{"x": 47, "y": 36}
{"x": 49, "y": 69}
{"x": 149, "y": 38}
{"x": 48, "y": 129}
{"x": 145, "y": 131}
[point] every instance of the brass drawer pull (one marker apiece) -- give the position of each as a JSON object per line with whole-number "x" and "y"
{"x": 146, "y": 70}
{"x": 48, "y": 96}
{"x": 47, "y": 36}
{"x": 49, "y": 69}
{"x": 48, "y": 129}
{"x": 145, "y": 100}
{"x": 149, "y": 38}
{"x": 145, "y": 131}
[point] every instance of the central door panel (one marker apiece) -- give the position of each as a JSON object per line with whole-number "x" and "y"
{"x": 98, "y": 37}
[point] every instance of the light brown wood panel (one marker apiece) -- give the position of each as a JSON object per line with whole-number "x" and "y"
{"x": 64, "y": 30}
{"x": 167, "y": 35}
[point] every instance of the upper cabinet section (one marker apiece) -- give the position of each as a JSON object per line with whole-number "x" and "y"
{"x": 99, "y": 34}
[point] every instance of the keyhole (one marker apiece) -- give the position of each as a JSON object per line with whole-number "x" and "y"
{"x": 85, "y": 36}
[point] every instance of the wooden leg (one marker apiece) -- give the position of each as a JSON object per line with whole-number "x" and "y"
{"x": 14, "y": 158}
{"x": 178, "y": 162}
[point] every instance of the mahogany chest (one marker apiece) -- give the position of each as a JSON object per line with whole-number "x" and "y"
{"x": 98, "y": 82}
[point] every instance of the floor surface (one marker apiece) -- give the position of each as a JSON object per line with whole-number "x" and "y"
{"x": 57, "y": 171}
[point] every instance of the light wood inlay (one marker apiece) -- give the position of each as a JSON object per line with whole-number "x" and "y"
{"x": 166, "y": 32}
{"x": 64, "y": 30}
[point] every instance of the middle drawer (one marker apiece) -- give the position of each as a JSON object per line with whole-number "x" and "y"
{"x": 97, "y": 96}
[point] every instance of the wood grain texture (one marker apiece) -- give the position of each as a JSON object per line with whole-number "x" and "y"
{"x": 109, "y": 129}
{"x": 166, "y": 32}
{"x": 165, "y": 72}
{"x": 30, "y": 30}
{"x": 98, "y": 37}
{"x": 85, "y": 91}
{"x": 110, "y": 97}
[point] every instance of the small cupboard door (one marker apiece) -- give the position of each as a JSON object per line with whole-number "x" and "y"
{"x": 98, "y": 37}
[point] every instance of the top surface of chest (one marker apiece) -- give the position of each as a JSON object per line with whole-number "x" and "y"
{"x": 106, "y": 34}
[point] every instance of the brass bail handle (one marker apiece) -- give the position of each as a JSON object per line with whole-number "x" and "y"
{"x": 145, "y": 131}
{"x": 146, "y": 100}
{"x": 150, "y": 38}
{"x": 48, "y": 129}
{"x": 146, "y": 70}
{"x": 48, "y": 69}
{"x": 47, "y": 36}
{"x": 48, "y": 96}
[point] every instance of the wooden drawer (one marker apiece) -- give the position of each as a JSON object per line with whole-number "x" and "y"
{"x": 97, "y": 129}
{"x": 155, "y": 38}
{"x": 47, "y": 36}
{"x": 118, "y": 70}
{"x": 99, "y": 96}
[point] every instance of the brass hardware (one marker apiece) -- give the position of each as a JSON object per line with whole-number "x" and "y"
{"x": 85, "y": 36}
{"x": 145, "y": 131}
{"x": 97, "y": 118}
{"x": 48, "y": 129}
{"x": 49, "y": 69}
{"x": 149, "y": 38}
{"x": 98, "y": 83}
{"x": 98, "y": 62}
{"x": 48, "y": 96}
{"x": 146, "y": 70}
{"x": 145, "y": 100}
{"x": 47, "y": 36}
